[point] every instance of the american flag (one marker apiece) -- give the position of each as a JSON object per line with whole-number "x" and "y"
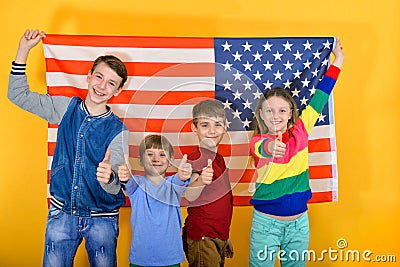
{"x": 168, "y": 75}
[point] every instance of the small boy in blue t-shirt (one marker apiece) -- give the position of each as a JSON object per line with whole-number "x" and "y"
{"x": 156, "y": 219}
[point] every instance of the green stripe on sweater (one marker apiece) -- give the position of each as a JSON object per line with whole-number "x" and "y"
{"x": 287, "y": 186}
{"x": 319, "y": 100}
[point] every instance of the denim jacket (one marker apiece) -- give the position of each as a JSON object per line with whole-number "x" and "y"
{"x": 82, "y": 141}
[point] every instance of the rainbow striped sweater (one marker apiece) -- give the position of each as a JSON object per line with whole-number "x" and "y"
{"x": 282, "y": 186}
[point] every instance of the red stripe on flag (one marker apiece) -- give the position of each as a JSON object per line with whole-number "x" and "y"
{"x": 320, "y": 172}
{"x": 67, "y": 91}
{"x": 68, "y": 66}
{"x": 127, "y": 201}
{"x": 50, "y": 148}
{"x": 128, "y": 41}
{"x": 228, "y": 150}
{"x": 158, "y": 125}
{"x": 161, "y": 97}
{"x": 318, "y": 197}
{"x": 319, "y": 145}
{"x": 242, "y": 175}
{"x": 158, "y": 69}
{"x": 171, "y": 69}
{"x": 241, "y": 200}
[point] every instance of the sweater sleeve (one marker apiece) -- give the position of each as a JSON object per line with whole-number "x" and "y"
{"x": 259, "y": 147}
{"x": 178, "y": 185}
{"x": 131, "y": 185}
{"x": 311, "y": 113}
{"x": 50, "y": 108}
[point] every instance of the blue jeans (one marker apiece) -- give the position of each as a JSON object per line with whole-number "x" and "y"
{"x": 64, "y": 234}
{"x": 270, "y": 238}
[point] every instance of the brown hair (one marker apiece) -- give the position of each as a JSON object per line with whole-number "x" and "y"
{"x": 259, "y": 125}
{"x": 208, "y": 108}
{"x": 115, "y": 64}
{"x": 155, "y": 141}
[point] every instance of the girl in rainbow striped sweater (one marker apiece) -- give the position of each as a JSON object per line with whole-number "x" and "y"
{"x": 280, "y": 151}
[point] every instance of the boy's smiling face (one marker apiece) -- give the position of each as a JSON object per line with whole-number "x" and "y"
{"x": 103, "y": 84}
{"x": 155, "y": 162}
{"x": 209, "y": 131}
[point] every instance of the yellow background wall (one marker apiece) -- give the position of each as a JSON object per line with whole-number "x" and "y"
{"x": 366, "y": 99}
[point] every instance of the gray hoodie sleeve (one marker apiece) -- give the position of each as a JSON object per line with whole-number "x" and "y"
{"x": 50, "y": 108}
{"x": 118, "y": 147}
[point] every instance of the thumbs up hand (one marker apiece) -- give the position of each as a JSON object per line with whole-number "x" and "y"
{"x": 124, "y": 171}
{"x": 207, "y": 173}
{"x": 276, "y": 147}
{"x": 184, "y": 169}
{"x": 104, "y": 169}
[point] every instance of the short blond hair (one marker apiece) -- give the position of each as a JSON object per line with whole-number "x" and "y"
{"x": 208, "y": 108}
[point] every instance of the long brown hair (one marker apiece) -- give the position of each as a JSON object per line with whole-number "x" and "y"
{"x": 259, "y": 125}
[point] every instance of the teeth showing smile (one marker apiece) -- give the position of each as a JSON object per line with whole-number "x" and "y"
{"x": 98, "y": 93}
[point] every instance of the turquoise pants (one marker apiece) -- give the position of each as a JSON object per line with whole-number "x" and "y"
{"x": 271, "y": 238}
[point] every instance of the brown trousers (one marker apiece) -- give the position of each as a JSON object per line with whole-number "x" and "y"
{"x": 206, "y": 252}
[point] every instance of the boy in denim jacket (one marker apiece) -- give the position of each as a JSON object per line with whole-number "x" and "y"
{"x": 85, "y": 194}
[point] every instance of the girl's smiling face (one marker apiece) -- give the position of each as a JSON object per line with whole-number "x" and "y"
{"x": 276, "y": 113}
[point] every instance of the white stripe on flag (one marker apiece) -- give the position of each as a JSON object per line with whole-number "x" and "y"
{"x": 152, "y": 111}
{"x": 321, "y": 158}
{"x": 321, "y": 185}
{"x": 141, "y": 83}
{"x": 323, "y": 131}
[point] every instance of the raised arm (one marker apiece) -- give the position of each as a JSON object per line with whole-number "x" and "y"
{"x": 324, "y": 88}
{"x": 50, "y": 108}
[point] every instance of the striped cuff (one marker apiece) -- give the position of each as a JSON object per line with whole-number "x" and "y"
{"x": 18, "y": 69}
{"x": 333, "y": 72}
{"x": 263, "y": 149}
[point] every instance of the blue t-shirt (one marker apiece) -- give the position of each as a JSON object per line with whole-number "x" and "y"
{"x": 156, "y": 221}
